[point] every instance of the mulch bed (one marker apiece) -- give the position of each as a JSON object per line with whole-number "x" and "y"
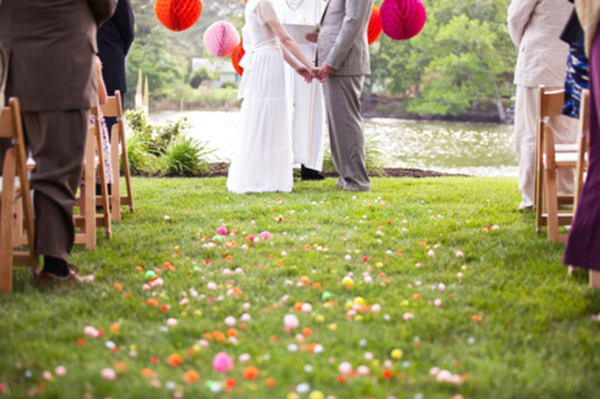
{"x": 219, "y": 169}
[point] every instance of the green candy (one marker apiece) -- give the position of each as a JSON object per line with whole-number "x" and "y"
{"x": 326, "y": 296}
{"x": 150, "y": 274}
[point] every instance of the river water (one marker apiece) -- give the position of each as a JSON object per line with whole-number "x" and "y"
{"x": 466, "y": 148}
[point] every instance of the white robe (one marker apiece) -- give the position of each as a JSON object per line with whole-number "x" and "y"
{"x": 306, "y": 101}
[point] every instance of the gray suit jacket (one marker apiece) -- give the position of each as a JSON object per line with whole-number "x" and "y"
{"x": 343, "y": 43}
{"x": 51, "y": 46}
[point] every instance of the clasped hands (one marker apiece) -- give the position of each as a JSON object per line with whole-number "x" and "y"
{"x": 322, "y": 73}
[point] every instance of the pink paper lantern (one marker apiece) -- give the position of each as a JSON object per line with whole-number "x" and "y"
{"x": 221, "y": 38}
{"x": 402, "y": 19}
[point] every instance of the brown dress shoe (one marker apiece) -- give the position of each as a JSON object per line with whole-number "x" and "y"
{"x": 46, "y": 278}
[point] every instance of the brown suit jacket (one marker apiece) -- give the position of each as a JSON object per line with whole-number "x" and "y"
{"x": 50, "y": 46}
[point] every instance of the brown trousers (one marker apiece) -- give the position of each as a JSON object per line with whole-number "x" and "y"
{"x": 57, "y": 142}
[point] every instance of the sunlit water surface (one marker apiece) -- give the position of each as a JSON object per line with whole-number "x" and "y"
{"x": 465, "y": 148}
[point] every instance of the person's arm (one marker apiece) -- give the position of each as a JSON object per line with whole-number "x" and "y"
{"x": 356, "y": 13}
{"x": 102, "y": 9}
{"x": 290, "y": 44}
{"x": 301, "y": 70}
{"x": 102, "y": 95}
{"x": 125, "y": 23}
{"x": 519, "y": 13}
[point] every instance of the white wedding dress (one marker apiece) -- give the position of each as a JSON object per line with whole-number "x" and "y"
{"x": 263, "y": 157}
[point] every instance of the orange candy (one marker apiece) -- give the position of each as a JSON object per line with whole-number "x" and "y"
{"x": 387, "y": 374}
{"x": 230, "y": 383}
{"x": 307, "y": 332}
{"x": 115, "y": 328}
{"x": 341, "y": 379}
{"x": 305, "y": 280}
{"x": 219, "y": 336}
{"x": 167, "y": 265}
{"x": 270, "y": 382}
{"x": 477, "y": 317}
{"x": 152, "y": 302}
{"x": 232, "y": 332}
{"x": 298, "y": 306}
{"x": 174, "y": 360}
{"x": 191, "y": 376}
{"x": 250, "y": 372}
{"x": 118, "y": 287}
{"x": 147, "y": 373}
{"x": 416, "y": 296}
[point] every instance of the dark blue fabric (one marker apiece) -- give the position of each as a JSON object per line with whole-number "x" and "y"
{"x": 576, "y": 80}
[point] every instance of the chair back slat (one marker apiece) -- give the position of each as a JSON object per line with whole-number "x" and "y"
{"x": 7, "y": 129}
{"x": 553, "y": 103}
{"x": 110, "y": 109}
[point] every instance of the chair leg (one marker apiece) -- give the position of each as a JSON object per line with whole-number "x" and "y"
{"x": 594, "y": 279}
{"x": 126, "y": 163}
{"x": 552, "y": 205}
{"x": 540, "y": 200}
{"x": 115, "y": 199}
{"x": 6, "y": 260}
{"x": 103, "y": 187}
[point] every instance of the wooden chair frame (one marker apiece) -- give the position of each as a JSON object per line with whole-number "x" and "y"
{"x": 90, "y": 220}
{"x": 547, "y": 200}
{"x": 15, "y": 185}
{"x": 113, "y": 109}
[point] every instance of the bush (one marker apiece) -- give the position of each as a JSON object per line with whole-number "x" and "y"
{"x": 169, "y": 132}
{"x": 229, "y": 85}
{"x": 184, "y": 155}
{"x": 373, "y": 157}
{"x": 198, "y": 76}
{"x": 141, "y": 160}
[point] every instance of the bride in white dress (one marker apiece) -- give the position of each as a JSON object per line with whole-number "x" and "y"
{"x": 263, "y": 157}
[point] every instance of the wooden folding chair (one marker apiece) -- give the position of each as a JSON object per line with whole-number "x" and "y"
{"x": 113, "y": 109}
{"x": 550, "y": 158}
{"x": 14, "y": 184}
{"x": 89, "y": 220}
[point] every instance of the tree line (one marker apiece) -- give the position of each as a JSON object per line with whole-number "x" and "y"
{"x": 462, "y": 61}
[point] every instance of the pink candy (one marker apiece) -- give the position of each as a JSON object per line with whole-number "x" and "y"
{"x": 290, "y": 322}
{"x": 222, "y": 231}
{"x": 265, "y": 235}
{"x": 222, "y": 363}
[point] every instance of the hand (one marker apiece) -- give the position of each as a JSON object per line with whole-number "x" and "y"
{"x": 312, "y": 37}
{"x": 324, "y": 72}
{"x": 305, "y": 73}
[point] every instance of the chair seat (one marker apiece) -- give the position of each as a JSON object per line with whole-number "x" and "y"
{"x": 566, "y": 147}
{"x": 565, "y": 159}
{"x": 17, "y": 185}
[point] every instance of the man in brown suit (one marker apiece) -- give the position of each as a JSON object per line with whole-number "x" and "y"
{"x": 51, "y": 47}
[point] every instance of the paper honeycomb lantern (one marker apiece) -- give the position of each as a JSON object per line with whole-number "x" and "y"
{"x": 402, "y": 19}
{"x": 221, "y": 38}
{"x": 236, "y": 57}
{"x": 178, "y": 15}
{"x": 375, "y": 30}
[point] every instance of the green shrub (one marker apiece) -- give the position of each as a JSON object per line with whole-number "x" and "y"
{"x": 229, "y": 85}
{"x": 170, "y": 131}
{"x": 141, "y": 160}
{"x": 184, "y": 155}
{"x": 374, "y": 157}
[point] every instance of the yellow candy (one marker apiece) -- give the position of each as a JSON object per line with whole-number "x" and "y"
{"x": 320, "y": 318}
{"x": 332, "y": 326}
{"x": 326, "y": 250}
{"x": 463, "y": 268}
{"x": 359, "y": 300}
{"x": 316, "y": 395}
{"x": 375, "y": 363}
{"x": 348, "y": 305}
{"x": 358, "y": 317}
{"x": 396, "y": 354}
{"x": 292, "y": 395}
{"x": 198, "y": 313}
{"x": 183, "y": 314}
{"x": 132, "y": 347}
{"x": 379, "y": 265}
{"x": 196, "y": 348}
{"x": 176, "y": 248}
{"x": 404, "y": 303}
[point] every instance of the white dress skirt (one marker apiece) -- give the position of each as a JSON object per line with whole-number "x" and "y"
{"x": 263, "y": 157}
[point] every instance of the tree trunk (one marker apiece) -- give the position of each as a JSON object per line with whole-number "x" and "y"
{"x": 498, "y": 100}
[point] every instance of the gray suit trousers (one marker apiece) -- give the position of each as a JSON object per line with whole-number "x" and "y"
{"x": 57, "y": 142}
{"x": 346, "y": 130}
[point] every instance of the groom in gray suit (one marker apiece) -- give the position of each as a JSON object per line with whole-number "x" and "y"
{"x": 343, "y": 59}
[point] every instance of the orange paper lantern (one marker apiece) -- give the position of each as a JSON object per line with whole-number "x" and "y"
{"x": 178, "y": 15}
{"x": 236, "y": 57}
{"x": 375, "y": 29}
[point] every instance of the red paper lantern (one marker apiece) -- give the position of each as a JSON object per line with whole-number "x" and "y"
{"x": 375, "y": 30}
{"x": 178, "y": 15}
{"x": 236, "y": 57}
{"x": 402, "y": 19}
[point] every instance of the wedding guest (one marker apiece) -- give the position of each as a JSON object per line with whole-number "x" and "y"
{"x": 115, "y": 37}
{"x": 535, "y": 27}
{"x": 343, "y": 58}
{"x": 583, "y": 246}
{"x": 263, "y": 158}
{"x": 51, "y": 48}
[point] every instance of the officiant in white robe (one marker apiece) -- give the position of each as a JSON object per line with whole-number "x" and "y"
{"x": 308, "y": 106}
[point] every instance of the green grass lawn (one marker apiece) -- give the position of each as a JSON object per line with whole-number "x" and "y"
{"x": 514, "y": 326}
